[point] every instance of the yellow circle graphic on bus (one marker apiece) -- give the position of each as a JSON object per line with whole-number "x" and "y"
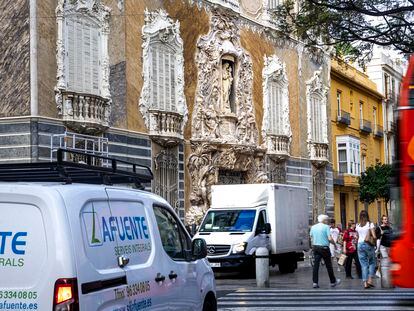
{"x": 410, "y": 148}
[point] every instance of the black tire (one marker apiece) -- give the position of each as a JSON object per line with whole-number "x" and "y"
{"x": 287, "y": 267}
{"x": 210, "y": 302}
{"x": 249, "y": 271}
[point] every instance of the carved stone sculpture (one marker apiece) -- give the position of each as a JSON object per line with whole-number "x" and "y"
{"x": 215, "y": 83}
{"x": 226, "y": 85}
{"x": 224, "y": 131}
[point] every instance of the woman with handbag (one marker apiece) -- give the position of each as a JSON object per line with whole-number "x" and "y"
{"x": 366, "y": 248}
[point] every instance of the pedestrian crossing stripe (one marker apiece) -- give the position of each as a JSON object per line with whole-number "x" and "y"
{"x": 271, "y": 299}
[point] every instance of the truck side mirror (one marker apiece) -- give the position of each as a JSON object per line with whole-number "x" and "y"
{"x": 199, "y": 249}
{"x": 267, "y": 228}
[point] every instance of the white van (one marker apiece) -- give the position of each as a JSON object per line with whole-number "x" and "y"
{"x": 97, "y": 247}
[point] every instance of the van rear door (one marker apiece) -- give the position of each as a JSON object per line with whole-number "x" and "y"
{"x": 101, "y": 282}
{"x": 23, "y": 256}
{"x": 34, "y": 246}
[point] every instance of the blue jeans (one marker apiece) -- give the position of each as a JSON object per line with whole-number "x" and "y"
{"x": 366, "y": 254}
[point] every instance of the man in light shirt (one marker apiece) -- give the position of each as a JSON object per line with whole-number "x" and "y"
{"x": 321, "y": 237}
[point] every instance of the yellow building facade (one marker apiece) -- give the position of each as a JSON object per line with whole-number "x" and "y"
{"x": 357, "y": 139}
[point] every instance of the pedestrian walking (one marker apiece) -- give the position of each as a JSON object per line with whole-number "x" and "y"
{"x": 335, "y": 234}
{"x": 350, "y": 250}
{"x": 321, "y": 238}
{"x": 335, "y": 248}
{"x": 366, "y": 248}
{"x": 384, "y": 234}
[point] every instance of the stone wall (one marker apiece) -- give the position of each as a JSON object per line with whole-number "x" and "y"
{"x": 14, "y": 58}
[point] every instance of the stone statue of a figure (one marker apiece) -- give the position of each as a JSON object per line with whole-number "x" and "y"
{"x": 226, "y": 83}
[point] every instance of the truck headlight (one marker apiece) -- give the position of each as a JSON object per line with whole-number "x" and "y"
{"x": 239, "y": 248}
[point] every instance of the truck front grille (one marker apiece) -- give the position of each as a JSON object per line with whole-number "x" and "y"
{"x": 216, "y": 250}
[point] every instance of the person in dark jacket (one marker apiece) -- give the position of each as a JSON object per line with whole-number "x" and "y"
{"x": 350, "y": 239}
{"x": 384, "y": 234}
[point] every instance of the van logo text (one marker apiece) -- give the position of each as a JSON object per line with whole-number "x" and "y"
{"x": 15, "y": 241}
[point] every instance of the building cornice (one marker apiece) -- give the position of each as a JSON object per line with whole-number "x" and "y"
{"x": 336, "y": 73}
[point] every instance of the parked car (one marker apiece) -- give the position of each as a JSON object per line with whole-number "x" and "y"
{"x": 96, "y": 247}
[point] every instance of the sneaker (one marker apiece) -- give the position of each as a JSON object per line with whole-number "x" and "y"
{"x": 315, "y": 285}
{"x": 338, "y": 281}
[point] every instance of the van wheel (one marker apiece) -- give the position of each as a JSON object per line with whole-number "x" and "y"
{"x": 210, "y": 302}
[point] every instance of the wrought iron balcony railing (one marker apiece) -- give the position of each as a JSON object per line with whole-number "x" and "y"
{"x": 365, "y": 126}
{"x": 343, "y": 117}
{"x": 379, "y": 131}
{"x": 338, "y": 179}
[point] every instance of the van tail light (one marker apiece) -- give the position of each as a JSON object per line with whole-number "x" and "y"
{"x": 65, "y": 297}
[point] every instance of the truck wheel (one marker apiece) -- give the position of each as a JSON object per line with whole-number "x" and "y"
{"x": 249, "y": 271}
{"x": 210, "y": 302}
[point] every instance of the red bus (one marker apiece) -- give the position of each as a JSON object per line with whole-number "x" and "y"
{"x": 402, "y": 250}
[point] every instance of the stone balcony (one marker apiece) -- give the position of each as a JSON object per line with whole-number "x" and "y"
{"x": 319, "y": 153}
{"x": 278, "y": 146}
{"x": 85, "y": 113}
{"x": 165, "y": 127}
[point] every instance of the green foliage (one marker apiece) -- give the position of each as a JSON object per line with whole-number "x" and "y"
{"x": 374, "y": 183}
{"x": 351, "y": 28}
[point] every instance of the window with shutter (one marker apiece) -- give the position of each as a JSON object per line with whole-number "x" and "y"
{"x": 163, "y": 81}
{"x": 275, "y": 101}
{"x": 82, "y": 41}
{"x": 317, "y": 121}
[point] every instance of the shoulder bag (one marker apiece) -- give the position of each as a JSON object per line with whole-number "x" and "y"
{"x": 369, "y": 239}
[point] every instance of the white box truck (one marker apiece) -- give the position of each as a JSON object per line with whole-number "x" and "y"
{"x": 245, "y": 217}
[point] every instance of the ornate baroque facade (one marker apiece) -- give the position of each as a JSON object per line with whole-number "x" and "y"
{"x": 203, "y": 91}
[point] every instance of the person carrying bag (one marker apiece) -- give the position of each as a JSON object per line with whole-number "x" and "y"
{"x": 366, "y": 248}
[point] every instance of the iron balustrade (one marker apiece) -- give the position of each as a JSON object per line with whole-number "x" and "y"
{"x": 343, "y": 117}
{"x": 365, "y": 126}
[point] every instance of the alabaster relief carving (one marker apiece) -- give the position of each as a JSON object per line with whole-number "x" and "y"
{"x": 83, "y": 112}
{"x": 223, "y": 110}
{"x": 276, "y": 131}
{"x": 226, "y": 86}
{"x": 164, "y": 109}
{"x": 205, "y": 162}
{"x": 224, "y": 131}
{"x": 316, "y": 97}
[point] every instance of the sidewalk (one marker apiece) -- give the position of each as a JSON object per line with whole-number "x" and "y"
{"x": 301, "y": 279}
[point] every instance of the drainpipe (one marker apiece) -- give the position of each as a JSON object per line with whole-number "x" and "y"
{"x": 33, "y": 59}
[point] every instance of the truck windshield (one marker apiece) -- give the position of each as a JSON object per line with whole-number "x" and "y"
{"x": 228, "y": 221}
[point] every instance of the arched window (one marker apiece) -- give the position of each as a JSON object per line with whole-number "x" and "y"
{"x": 276, "y": 97}
{"x": 82, "y": 45}
{"x": 82, "y": 40}
{"x": 163, "y": 71}
{"x": 316, "y": 94}
{"x": 276, "y": 124}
